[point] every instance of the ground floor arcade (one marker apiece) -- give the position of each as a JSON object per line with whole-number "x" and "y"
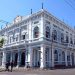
{"x": 42, "y": 56}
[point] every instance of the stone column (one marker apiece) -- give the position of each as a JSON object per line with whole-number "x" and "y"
{"x": 70, "y": 59}
{"x": 27, "y": 61}
{"x": 19, "y": 59}
{"x": 30, "y": 31}
{"x": 66, "y": 58}
{"x": 30, "y": 58}
{"x": 74, "y": 58}
{"x": 42, "y": 60}
{"x": 14, "y": 56}
{"x": 11, "y": 56}
{"x": 3, "y": 59}
{"x": 52, "y": 58}
{"x": 42, "y": 27}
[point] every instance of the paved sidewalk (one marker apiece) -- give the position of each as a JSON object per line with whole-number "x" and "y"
{"x": 41, "y": 72}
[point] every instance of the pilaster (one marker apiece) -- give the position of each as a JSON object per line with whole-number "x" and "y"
{"x": 66, "y": 63}
{"x": 4, "y": 59}
{"x": 52, "y": 57}
{"x": 19, "y": 58}
{"x": 70, "y": 59}
{"x": 42, "y": 56}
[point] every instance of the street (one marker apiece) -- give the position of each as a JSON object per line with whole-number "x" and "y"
{"x": 42, "y": 72}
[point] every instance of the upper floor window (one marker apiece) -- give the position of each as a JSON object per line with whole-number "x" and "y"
{"x": 71, "y": 40}
{"x": 54, "y": 35}
{"x": 16, "y": 37}
{"x": 47, "y": 32}
{"x": 67, "y": 39}
{"x": 23, "y": 36}
{"x": 11, "y": 39}
{"x": 62, "y": 37}
{"x": 36, "y": 32}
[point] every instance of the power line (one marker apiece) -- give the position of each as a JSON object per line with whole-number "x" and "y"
{"x": 73, "y": 0}
{"x": 70, "y": 4}
{"x": 5, "y": 22}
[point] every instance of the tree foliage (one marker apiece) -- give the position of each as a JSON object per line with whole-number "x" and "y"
{"x": 1, "y": 42}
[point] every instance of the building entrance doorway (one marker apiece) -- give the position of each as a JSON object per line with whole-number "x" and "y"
{"x": 36, "y": 58}
{"x": 16, "y": 58}
{"x": 23, "y": 59}
{"x": 8, "y": 57}
{"x": 72, "y": 56}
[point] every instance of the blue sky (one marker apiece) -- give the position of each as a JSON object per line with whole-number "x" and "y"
{"x": 9, "y": 9}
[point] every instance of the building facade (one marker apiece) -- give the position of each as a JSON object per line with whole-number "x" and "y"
{"x": 38, "y": 40}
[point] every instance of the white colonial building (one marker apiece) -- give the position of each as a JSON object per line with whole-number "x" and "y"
{"x": 38, "y": 40}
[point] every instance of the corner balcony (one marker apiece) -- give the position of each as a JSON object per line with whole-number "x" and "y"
{"x": 24, "y": 42}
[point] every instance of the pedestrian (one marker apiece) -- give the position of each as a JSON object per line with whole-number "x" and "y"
{"x": 11, "y": 64}
{"x": 38, "y": 63}
{"x": 7, "y": 66}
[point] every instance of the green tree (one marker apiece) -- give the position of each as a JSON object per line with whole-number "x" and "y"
{"x": 1, "y": 42}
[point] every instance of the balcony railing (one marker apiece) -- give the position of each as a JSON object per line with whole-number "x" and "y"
{"x": 16, "y": 43}
{"x": 43, "y": 39}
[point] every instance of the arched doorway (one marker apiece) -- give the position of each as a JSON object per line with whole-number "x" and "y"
{"x": 56, "y": 58}
{"x": 8, "y": 57}
{"x": 23, "y": 59}
{"x": 16, "y": 58}
{"x": 36, "y": 57}
{"x": 63, "y": 58}
{"x": 68, "y": 58}
{"x": 72, "y": 56}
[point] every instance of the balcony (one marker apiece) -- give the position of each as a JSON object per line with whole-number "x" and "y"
{"x": 16, "y": 43}
{"x": 68, "y": 45}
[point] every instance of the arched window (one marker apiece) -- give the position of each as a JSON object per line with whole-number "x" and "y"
{"x": 47, "y": 32}
{"x": 67, "y": 40}
{"x": 55, "y": 55}
{"x": 67, "y": 37}
{"x": 62, "y": 37}
{"x": 71, "y": 41}
{"x": 54, "y": 35}
{"x": 36, "y": 32}
{"x": 63, "y": 56}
